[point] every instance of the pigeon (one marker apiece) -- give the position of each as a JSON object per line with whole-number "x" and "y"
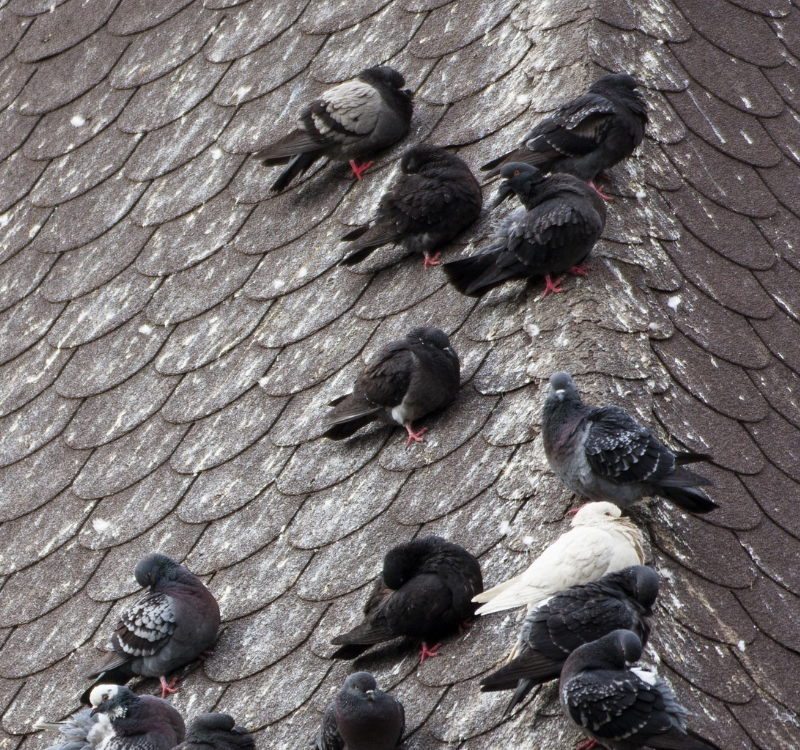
{"x": 347, "y": 123}
{"x": 425, "y": 592}
{"x": 216, "y": 732}
{"x": 599, "y": 542}
{"x": 361, "y": 717}
{"x": 581, "y": 614}
{"x": 586, "y": 136}
{"x": 622, "y": 707}
{"x": 558, "y": 224}
{"x": 120, "y": 720}
{"x": 603, "y": 453}
{"x": 407, "y": 379}
{"x": 434, "y": 199}
{"x": 171, "y": 625}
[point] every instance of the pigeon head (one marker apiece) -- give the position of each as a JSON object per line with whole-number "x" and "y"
{"x": 435, "y": 337}
{"x": 112, "y": 700}
{"x": 624, "y": 87}
{"x": 615, "y": 81}
{"x": 154, "y": 568}
{"x": 519, "y": 179}
{"x": 419, "y": 156}
{"x": 203, "y": 725}
{"x": 562, "y": 388}
{"x": 645, "y": 585}
{"x": 617, "y": 650}
{"x": 383, "y": 74}
{"x": 361, "y": 686}
{"x": 596, "y": 514}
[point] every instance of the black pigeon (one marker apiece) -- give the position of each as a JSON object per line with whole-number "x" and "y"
{"x": 603, "y": 453}
{"x": 560, "y": 221}
{"x": 581, "y": 614}
{"x": 623, "y": 708}
{"x": 169, "y": 626}
{"x": 588, "y": 135}
{"x": 361, "y": 717}
{"x": 348, "y": 122}
{"x": 425, "y": 592}
{"x": 407, "y": 380}
{"x": 217, "y": 732}
{"x": 434, "y": 199}
{"x": 120, "y": 720}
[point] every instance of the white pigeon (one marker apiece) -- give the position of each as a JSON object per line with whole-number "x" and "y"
{"x": 599, "y": 542}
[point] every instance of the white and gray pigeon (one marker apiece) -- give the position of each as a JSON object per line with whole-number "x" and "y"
{"x": 216, "y": 732}
{"x": 587, "y": 135}
{"x": 623, "y": 599}
{"x": 350, "y": 121}
{"x": 361, "y": 717}
{"x": 120, "y": 720}
{"x": 619, "y": 706}
{"x": 433, "y": 199}
{"x": 406, "y": 380}
{"x": 169, "y": 626}
{"x": 603, "y": 453}
{"x": 599, "y": 542}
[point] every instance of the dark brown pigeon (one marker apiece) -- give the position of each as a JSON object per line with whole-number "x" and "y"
{"x": 169, "y": 626}
{"x": 560, "y": 221}
{"x": 621, "y": 707}
{"x": 361, "y": 717}
{"x": 588, "y": 135}
{"x": 581, "y": 614}
{"x": 348, "y": 122}
{"x": 603, "y": 453}
{"x": 407, "y": 380}
{"x": 435, "y": 197}
{"x": 425, "y": 592}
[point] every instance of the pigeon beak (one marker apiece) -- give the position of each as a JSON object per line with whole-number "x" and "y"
{"x": 504, "y": 191}
{"x": 370, "y": 694}
{"x": 93, "y": 711}
{"x": 560, "y": 394}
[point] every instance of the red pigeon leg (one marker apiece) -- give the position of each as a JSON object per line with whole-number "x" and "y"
{"x": 428, "y": 653}
{"x": 432, "y": 260}
{"x": 588, "y": 745}
{"x": 579, "y": 270}
{"x": 465, "y": 626}
{"x": 359, "y": 169}
{"x": 168, "y": 687}
{"x": 600, "y": 192}
{"x": 552, "y": 286}
{"x": 414, "y": 437}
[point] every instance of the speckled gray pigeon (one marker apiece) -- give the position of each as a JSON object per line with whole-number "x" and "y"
{"x": 604, "y": 454}
{"x": 435, "y": 197}
{"x": 623, "y": 708}
{"x": 216, "y": 732}
{"x": 348, "y": 122}
{"x": 560, "y": 221}
{"x": 424, "y": 592}
{"x": 361, "y": 717}
{"x": 587, "y": 135}
{"x": 581, "y": 614}
{"x": 406, "y": 380}
{"x": 121, "y": 720}
{"x": 169, "y": 626}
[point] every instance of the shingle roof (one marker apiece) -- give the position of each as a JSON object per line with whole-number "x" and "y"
{"x": 171, "y": 331}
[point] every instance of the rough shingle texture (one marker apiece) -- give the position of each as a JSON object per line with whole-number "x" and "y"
{"x": 170, "y": 332}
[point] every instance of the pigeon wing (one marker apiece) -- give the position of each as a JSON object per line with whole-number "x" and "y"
{"x": 328, "y": 737}
{"x": 385, "y": 381}
{"x": 145, "y": 627}
{"x": 576, "y": 129}
{"x": 620, "y": 449}
{"x": 345, "y": 113}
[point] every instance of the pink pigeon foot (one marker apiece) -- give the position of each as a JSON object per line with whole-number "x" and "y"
{"x": 600, "y": 192}
{"x": 205, "y": 654}
{"x": 552, "y": 286}
{"x": 414, "y": 437}
{"x": 579, "y": 270}
{"x": 431, "y": 260}
{"x": 168, "y": 687}
{"x": 359, "y": 169}
{"x": 465, "y": 626}
{"x": 588, "y": 745}
{"x": 428, "y": 653}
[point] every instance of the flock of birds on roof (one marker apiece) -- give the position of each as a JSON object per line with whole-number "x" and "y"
{"x": 589, "y": 597}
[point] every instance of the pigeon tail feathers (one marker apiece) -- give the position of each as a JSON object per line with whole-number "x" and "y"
{"x": 478, "y": 274}
{"x": 296, "y": 166}
{"x": 675, "y": 739}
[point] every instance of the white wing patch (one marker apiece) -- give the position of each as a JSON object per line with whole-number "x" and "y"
{"x": 645, "y": 675}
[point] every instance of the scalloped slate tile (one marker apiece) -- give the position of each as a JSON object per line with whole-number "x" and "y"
{"x": 21, "y": 274}
{"x": 229, "y": 486}
{"x": 19, "y": 174}
{"x": 771, "y": 608}
{"x": 158, "y": 52}
{"x": 276, "y": 568}
{"x": 772, "y": 667}
{"x": 119, "y": 464}
{"x": 197, "y": 342}
{"x": 112, "y": 522}
{"x": 221, "y": 436}
{"x": 758, "y": 719}
{"x": 15, "y": 127}
{"x": 25, "y": 377}
{"x": 18, "y": 226}
{"x": 62, "y": 79}
{"x": 160, "y": 102}
{"x": 14, "y": 74}
{"x": 25, "y": 323}
{"x": 775, "y": 552}
{"x": 332, "y": 514}
{"x": 139, "y": 15}
{"x": 328, "y": 16}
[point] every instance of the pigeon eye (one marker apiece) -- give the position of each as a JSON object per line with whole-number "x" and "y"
{"x": 516, "y": 172}
{"x": 105, "y": 697}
